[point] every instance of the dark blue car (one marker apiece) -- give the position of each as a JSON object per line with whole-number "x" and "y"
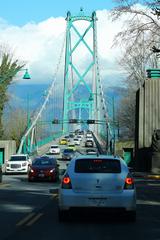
{"x": 68, "y": 154}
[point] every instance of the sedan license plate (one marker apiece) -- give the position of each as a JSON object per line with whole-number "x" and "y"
{"x": 98, "y": 202}
{"x": 41, "y": 175}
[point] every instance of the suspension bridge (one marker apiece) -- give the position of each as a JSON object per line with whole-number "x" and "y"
{"x": 76, "y": 100}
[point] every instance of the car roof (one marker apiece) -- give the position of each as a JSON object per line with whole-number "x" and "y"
{"x": 45, "y": 157}
{"x": 15, "y": 155}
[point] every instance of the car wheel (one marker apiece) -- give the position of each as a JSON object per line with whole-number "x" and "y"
{"x": 62, "y": 215}
{"x": 131, "y": 216}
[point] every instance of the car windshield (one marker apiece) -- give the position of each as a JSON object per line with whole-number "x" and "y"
{"x": 18, "y": 158}
{"x": 43, "y": 162}
{"x": 97, "y": 166}
{"x": 54, "y": 146}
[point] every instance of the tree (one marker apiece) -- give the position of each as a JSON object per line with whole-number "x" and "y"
{"x": 126, "y": 116}
{"x": 140, "y": 33}
{"x": 8, "y": 69}
{"x": 15, "y": 123}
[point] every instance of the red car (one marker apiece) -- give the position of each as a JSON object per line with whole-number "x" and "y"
{"x": 43, "y": 168}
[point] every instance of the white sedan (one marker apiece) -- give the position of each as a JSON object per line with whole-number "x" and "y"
{"x": 97, "y": 182}
{"x": 76, "y": 141}
{"x": 54, "y": 149}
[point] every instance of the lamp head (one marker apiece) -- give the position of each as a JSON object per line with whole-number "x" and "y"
{"x": 26, "y": 75}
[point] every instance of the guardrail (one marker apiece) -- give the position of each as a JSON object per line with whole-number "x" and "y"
{"x": 98, "y": 145}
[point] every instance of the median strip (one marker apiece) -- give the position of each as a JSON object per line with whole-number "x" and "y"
{"x": 24, "y": 220}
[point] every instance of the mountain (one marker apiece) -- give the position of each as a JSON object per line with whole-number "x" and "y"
{"x": 20, "y": 95}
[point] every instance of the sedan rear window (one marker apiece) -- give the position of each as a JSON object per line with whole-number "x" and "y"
{"x": 97, "y": 166}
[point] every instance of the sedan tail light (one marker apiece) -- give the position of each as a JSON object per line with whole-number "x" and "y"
{"x": 129, "y": 182}
{"x": 66, "y": 182}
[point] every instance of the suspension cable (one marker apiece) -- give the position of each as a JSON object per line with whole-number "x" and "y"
{"x": 45, "y": 101}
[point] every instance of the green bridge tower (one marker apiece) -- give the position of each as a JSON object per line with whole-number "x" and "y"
{"x": 82, "y": 85}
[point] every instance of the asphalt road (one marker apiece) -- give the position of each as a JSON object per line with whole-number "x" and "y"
{"x": 29, "y": 211}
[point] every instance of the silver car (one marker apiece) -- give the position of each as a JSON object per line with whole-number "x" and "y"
{"x": 97, "y": 182}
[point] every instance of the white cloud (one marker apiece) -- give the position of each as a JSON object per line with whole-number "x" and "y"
{"x": 39, "y": 45}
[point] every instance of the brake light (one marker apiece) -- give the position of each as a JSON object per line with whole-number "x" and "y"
{"x": 97, "y": 161}
{"x": 129, "y": 182}
{"x": 66, "y": 182}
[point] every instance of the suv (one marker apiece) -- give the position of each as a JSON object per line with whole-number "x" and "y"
{"x": 68, "y": 154}
{"x": 18, "y": 163}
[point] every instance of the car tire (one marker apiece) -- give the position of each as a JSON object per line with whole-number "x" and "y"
{"x": 62, "y": 215}
{"x": 131, "y": 216}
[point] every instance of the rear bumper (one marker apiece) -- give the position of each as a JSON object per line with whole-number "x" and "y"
{"x": 51, "y": 177}
{"x": 125, "y": 200}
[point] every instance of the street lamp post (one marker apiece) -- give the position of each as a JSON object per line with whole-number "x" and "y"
{"x": 25, "y": 76}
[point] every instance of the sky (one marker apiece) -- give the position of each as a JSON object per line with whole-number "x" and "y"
{"x": 20, "y": 12}
{"x": 34, "y": 30}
